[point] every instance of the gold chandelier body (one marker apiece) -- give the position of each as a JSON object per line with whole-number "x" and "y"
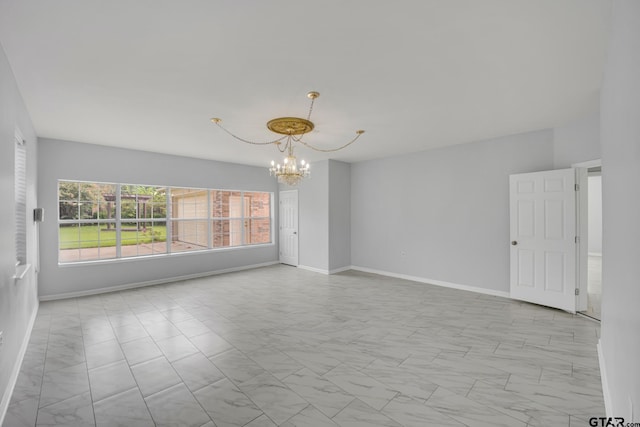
{"x": 293, "y": 129}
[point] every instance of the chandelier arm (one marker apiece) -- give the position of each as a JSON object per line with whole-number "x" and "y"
{"x": 275, "y": 141}
{"x": 331, "y": 149}
{"x": 313, "y": 99}
{"x": 283, "y": 148}
{"x": 292, "y": 130}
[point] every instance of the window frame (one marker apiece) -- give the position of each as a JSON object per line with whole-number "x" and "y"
{"x": 169, "y": 220}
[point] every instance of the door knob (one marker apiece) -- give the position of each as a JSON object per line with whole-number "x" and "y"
{"x": 295, "y": 232}
{"x": 513, "y": 242}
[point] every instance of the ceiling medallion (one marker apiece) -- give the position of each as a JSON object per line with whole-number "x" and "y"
{"x": 290, "y": 126}
{"x": 293, "y": 129}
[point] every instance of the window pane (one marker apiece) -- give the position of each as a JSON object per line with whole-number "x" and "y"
{"x": 257, "y": 204}
{"x": 88, "y": 192}
{"x": 106, "y": 201}
{"x": 188, "y": 203}
{"x": 217, "y": 198}
{"x": 68, "y": 255}
{"x": 69, "y": 236}
{"x": 189, "y": 235}
{"x": 226, "y": 204}
{"x": 105, "y": 236}
{"x": 68, "y": 196}
{"x": 143, "y": 238}
{"x": 158, "y": 241}
{"x": 142, "y": 202}
{"x": 257, "y": 231}
{"x": 128, "y": 209}
{"x": 129, "y": 239}
{"x": 226, "y": 232}
{"x": 88, "y": 255}
{"x": 68, "y": 191}
{"x": 107, "y": 243}
{"x": 159, "y": 203}
{"x": 157, "y": 235}
{"x": 87, "y": 210}
{"x": 107, "y": 210}
{"x": 68, "y": 210}
{"x": 82, "y": 242}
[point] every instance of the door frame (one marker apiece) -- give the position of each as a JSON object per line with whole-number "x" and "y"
{"x": 582, "y": 211}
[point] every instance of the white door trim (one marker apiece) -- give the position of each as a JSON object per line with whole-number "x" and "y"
{"x": 582, "y": 231}
{"x": 582, "y": 223}
{"x": 588, "y": 164}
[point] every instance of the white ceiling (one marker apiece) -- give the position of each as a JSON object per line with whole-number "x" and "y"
{"x": 419, "y": 74}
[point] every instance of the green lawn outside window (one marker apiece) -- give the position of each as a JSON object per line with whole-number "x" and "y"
{"x": 94, "y": 236}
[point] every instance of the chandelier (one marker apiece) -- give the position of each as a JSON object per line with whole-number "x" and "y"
{"x": 293, "y": 129}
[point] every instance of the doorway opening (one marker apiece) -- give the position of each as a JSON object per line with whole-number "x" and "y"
{"x": 594, "y": 243}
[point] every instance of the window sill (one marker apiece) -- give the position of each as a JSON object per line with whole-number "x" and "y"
{"x": 21, "y": 271}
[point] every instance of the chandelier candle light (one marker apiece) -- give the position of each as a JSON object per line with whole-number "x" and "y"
{"x": 293, "y": 129}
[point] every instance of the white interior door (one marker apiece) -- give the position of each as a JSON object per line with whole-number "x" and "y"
{"x": 543, "y": 238}
{"x": 288, "y": 217}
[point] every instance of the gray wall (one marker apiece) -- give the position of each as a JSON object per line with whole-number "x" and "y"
{"x": 18, "y": 300}
{"x": 76, "y": 161}
{"x": 577, "y": 141}
{"x": 339, "y": 215}
{"x": 313, "y": 196}
{"x": 620, "y": 342}
{"x": 447, "y": 210}
{"x": 324, "y": 207}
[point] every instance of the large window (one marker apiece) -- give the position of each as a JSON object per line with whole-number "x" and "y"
{"x": 107, "y": 221}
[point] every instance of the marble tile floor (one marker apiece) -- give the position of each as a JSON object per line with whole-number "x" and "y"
{"x": 280, "y": 346}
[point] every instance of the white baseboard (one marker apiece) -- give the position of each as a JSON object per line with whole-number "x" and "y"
{"x": 435, "y": 282}
{"x": 321, "y": 271}
{"x": 605, "y": 384}
{"x": 6, "y": 396}
{"x": 341, "y": 269}
{"x": 315, "y": 270}
{"x": 152, "y": 282}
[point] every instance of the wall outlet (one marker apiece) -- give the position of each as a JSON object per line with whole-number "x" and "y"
{"x": 403, "y": 253}
{"x": 1, "y": 338}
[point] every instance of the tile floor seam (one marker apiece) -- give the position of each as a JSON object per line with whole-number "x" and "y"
{"x": 135, "y": 381}
{"x": 44, "y": 362}
{"x": 84, "y": 351}
{"x": 115, "y": 394}
{"x": 199, "y": 404}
